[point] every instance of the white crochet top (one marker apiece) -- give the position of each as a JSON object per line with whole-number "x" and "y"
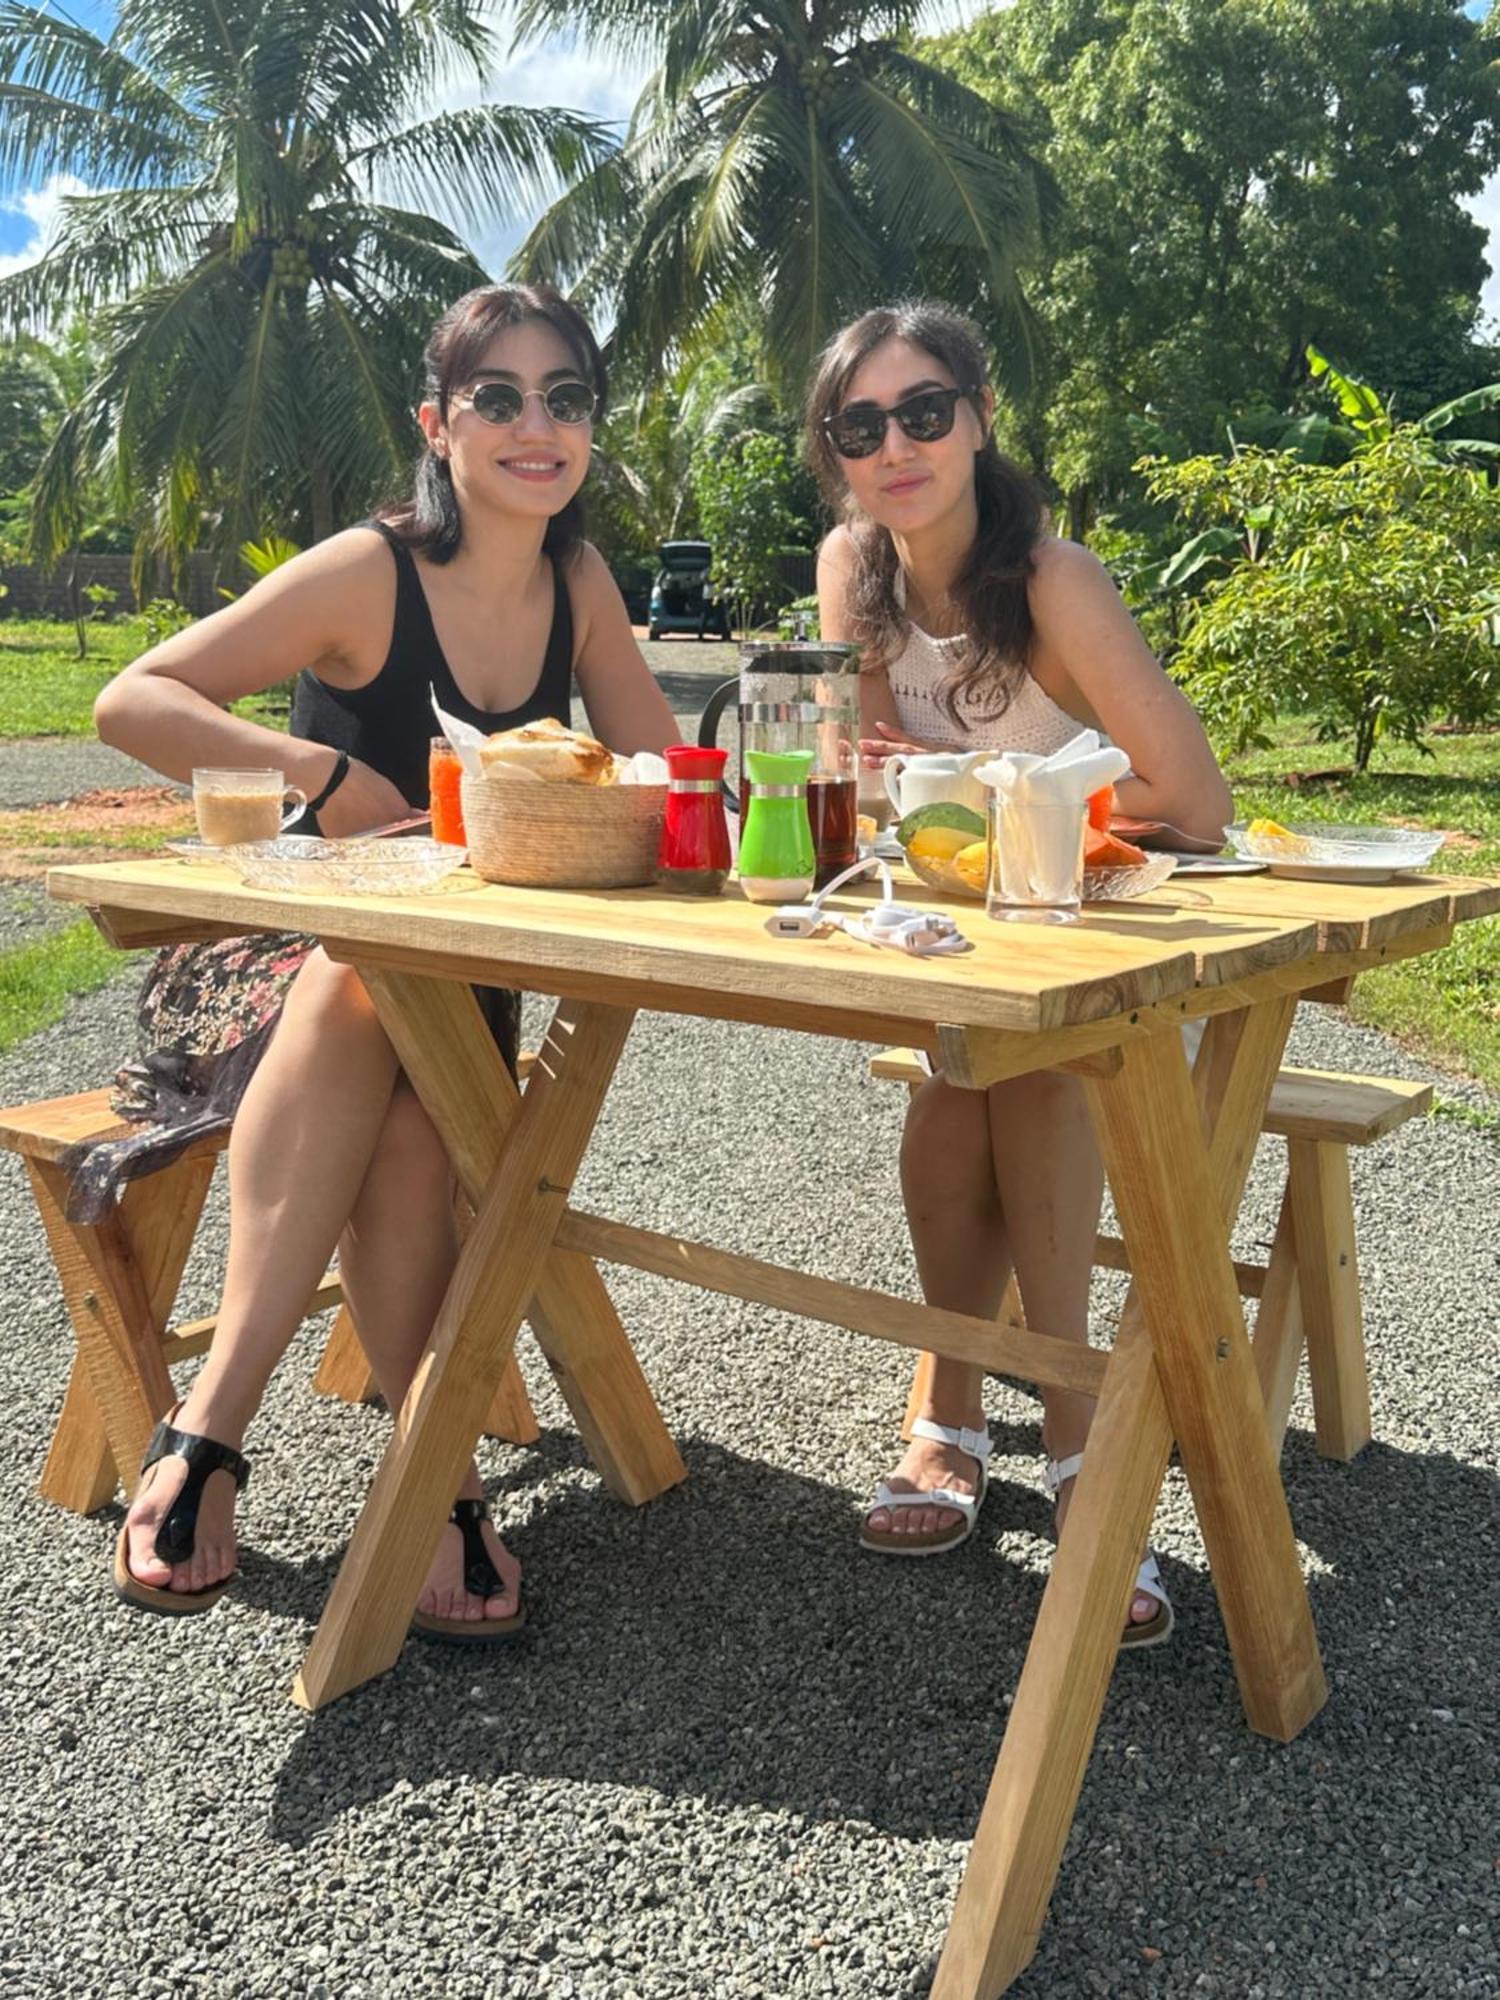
{"x": 918, "y": 675}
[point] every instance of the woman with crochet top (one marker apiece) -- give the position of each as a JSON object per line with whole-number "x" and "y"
{"x": 982, "y": 630}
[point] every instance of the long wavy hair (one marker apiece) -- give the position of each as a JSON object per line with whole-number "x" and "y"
{"x": 429, "y": 522}
{"x": 990, "y": 591}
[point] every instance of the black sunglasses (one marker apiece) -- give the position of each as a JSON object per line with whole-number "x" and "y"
{"x": 859, "y": 430}
{"x": 502, "y": 402}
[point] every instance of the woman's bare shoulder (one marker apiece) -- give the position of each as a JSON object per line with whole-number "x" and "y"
{"x": 1057, "y": 564}
{"x": 837, "y": 549}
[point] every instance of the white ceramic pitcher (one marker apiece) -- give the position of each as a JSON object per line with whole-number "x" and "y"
{"x": 936, "y": 777}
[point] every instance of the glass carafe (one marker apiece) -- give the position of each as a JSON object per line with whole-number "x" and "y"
{"x": 802, "y": 695}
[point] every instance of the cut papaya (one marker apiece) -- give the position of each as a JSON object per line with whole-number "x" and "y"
{"x": 1106, "y": 850}
{"x": 1101, "y": 806}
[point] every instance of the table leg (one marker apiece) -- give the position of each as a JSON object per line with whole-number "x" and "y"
{"x": 1278, "y": 1328}
{"x": 572, "y": 1315}
{"x": 1018, "y": 1845}
{"x": 1159, "y": 1170}
{"x": 80, "y": 1470}
{"x": 1002, "y": 1900}
{"x": 458, "y": 1074}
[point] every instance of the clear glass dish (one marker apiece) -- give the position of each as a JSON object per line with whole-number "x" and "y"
{"x": 1123, "y": 885}
{"x": 351, "y": 867}
{"x": 1308, "y": 844}
{"x": 1100, "y": 885}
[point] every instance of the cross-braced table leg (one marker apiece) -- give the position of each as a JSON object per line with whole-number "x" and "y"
{"x": 516, "y": 1158}
{"x": 1181, "y": 1364}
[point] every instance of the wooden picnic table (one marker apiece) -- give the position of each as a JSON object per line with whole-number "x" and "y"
{"x": 1101, "y": 998}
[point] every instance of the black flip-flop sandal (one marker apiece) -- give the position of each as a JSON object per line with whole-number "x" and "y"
{"x": 481, "y": 1579}
{"x": 176, "y": 1536}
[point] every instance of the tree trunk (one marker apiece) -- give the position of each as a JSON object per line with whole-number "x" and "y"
{"x": 321, "y": 494}
{"x": 1080, "y": 513}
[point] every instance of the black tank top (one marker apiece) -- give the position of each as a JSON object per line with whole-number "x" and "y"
{"x": 389, "y": 723}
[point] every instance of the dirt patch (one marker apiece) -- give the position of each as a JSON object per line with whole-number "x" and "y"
{"x": 95, "y": 826}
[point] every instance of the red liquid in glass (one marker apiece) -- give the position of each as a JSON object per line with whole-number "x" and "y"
{"x": 444, "y": 775}
{"x": 832, "y": 809}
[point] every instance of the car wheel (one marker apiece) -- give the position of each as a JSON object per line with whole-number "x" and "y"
{"x": 653, "y": 631}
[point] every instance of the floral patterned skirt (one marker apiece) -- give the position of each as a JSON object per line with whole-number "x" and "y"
{"x": 205, "y": 1017}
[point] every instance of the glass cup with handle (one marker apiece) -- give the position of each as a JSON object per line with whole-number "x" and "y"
{"x": 233, "y": 807}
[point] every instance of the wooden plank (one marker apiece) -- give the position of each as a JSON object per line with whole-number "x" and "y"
{"x": 194, "y": 1336}
{"x": 1330, "y": 1106}
{"x": 1349, "y": 916}
{"x": 80, "y": 1470}
{"x": 344, "y": 1370}
{"x": 986, "y": 1343}
{"x": 1278, "y": 1328}
{"x": 49, "y": 1126}
{"x": 369, "y": 1610}
{"x": 136, "y": 930}
{"x": 974, "y": 1057}
{"x": 1149, "y": 1132}
{"x": 1328, "y": 1272}
{"x": 1028, "y": 1809}
{"x": 108, "y": 1305}
{"x": 1020, "y": 976}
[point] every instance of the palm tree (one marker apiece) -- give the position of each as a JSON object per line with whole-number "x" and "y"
{"x": 258, "y": 271}
{"x": 798, "y": 154}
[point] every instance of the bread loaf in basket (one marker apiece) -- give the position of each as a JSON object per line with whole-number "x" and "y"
{"x": 535, "y": 835}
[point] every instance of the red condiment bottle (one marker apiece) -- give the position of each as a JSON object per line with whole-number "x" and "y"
{"x": 693, "y": 858}
{"x": 444, "y": 774}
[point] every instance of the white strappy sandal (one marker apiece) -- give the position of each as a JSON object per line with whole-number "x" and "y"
{"x": 977, "y": 1445}
{"x": 1153, "y": 1631}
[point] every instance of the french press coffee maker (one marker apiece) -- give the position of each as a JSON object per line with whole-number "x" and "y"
{"x": 800, "y": 694}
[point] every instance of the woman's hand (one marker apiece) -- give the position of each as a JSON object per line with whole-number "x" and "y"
{"x": 874, "y": 751}
{"x": 363, "y": 800}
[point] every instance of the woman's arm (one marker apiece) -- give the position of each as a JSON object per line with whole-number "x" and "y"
{"x": 1085, "y": 635}
{"x": 880, "y": 731}
{"x": 626, "y": 708}
{"x": 329, "y": 608}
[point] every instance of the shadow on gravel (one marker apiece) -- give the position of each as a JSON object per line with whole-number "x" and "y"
{"x": 730, "y": 1643}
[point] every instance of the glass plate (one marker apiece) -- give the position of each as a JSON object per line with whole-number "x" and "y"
{"x": 1123, "y": 885}
{"x": 1362, "y": 849}
{"x": 196, "y": 850}
{"x": 354, "y": 867}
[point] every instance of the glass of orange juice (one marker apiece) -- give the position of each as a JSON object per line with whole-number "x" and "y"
{"x": 444, "y": 773}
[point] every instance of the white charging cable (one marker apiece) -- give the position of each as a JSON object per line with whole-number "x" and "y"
{"x": 922, "y": 933}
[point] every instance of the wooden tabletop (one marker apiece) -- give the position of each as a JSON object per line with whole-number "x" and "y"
{"x": 704, "y": 955}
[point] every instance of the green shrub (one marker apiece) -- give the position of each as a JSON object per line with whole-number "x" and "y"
{"x": 1362, "y": 593}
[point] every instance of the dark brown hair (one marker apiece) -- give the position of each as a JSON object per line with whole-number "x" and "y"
{"x": 429, "y": 521}
{"x": 990, "y": 589}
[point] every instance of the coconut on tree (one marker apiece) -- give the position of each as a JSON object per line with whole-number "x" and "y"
{"x": 262, "y": 247}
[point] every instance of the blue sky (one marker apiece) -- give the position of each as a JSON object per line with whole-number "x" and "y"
{"x": 563, "y": 75}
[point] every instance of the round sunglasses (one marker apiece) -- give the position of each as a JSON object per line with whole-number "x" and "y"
{"x": 502, "y": 402}
{"x": 859, "y": 430}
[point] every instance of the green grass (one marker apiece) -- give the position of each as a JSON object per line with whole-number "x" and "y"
{"x": 1446, "y": 1005}
{"x": 38, "y": 980}
{"x": 46, "y": 690}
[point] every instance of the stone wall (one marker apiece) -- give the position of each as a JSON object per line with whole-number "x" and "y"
{"x": 30, "y": 594}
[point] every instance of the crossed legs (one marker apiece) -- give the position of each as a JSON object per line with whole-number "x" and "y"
{"x": 330, "y": 1146}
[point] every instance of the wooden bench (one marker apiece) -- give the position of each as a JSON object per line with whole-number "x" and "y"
{"x": 120, "y": 1278}
{"x": 1308, "y": 1287}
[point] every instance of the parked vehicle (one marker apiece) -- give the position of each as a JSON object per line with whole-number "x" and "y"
{"x": 680, "y": 597}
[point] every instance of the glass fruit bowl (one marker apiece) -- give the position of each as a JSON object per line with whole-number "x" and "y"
{"x": 351, "y": 867}
{"x": 1123, "y": 885}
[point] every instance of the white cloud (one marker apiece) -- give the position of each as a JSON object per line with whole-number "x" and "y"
{"x": 39, "y": 207}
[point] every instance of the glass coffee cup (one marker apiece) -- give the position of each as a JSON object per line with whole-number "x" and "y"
{"x": 232, "y": 807}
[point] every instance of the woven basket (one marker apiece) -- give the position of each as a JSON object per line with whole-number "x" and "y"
{"x": 535, "y": 835}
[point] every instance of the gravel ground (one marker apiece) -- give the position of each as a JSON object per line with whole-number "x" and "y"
{"x": 734, "y": 1756}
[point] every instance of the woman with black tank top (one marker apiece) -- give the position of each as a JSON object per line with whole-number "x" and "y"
{"x": 482, "y": 590}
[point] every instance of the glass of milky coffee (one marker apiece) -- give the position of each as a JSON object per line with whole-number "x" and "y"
{"x": 235, "y": 806}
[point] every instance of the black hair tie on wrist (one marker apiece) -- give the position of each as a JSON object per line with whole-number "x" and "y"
{"x": 336, "y": 777}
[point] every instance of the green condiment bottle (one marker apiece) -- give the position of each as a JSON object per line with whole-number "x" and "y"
{"x": 777, "y": 861}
